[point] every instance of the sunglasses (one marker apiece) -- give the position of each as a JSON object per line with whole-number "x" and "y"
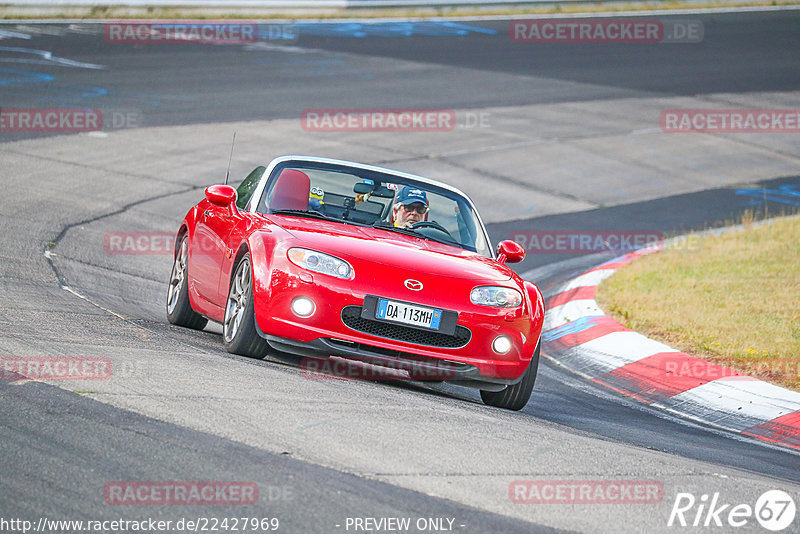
{"x": 419, "y": 208}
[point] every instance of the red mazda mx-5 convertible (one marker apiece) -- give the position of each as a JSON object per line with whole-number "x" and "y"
{"x": 325, "y": 258}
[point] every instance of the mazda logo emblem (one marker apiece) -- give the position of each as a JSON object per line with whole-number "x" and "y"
{"x": 413, "y": 285}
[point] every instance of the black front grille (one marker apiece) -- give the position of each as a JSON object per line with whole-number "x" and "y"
{"x": 351, "y": 317}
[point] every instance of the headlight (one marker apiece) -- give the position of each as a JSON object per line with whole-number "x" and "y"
{"x": 319, "y": 262}
{"x": 501, "y": 297}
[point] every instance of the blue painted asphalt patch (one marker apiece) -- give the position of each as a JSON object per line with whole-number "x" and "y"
{"x": 16, "y": 77}
{"x": 785, "y": 194}
{"x": 574, "y": 327}
{"x": 376, "y": 29}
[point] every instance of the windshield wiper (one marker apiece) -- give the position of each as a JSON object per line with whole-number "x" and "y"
{"x": 305, "y": 213}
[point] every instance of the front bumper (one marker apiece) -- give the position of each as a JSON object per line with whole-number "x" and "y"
{"x": 337, "y": 328}
{"x": 454, "y": 372}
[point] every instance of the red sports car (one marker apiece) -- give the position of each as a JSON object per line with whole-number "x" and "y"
{"x": 325, "y": 258}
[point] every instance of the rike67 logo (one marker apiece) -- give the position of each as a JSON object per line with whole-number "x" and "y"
{"x": 774, "y": 510}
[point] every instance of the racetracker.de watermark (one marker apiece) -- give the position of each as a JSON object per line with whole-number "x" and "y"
{"x": 55, "y": 368}
{"x": 730, "y": 120}
{"x": 587, "y": 241}
{"x": 390, "y": 120}
{"x": 680, "y": 365}
{"x": 181, "y": 32}
{"x": 586, "y": 491}
{"x": 139, "y": 243}
{"x": 605, "y": 30}
{"x": 179, "y": 493}
{"x": 340, "y": 369}
{"x": 67, "y": 120}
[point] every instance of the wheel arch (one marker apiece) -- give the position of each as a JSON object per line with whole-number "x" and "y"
{"x": 537, "y": 308}
{"x": 243, "y": 249}
{"x": 182, "y": 231}
{"x": 186, "y": 228}
{"x": 261, "y": 246}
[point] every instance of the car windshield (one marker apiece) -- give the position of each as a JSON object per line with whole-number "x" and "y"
{"x": 366, "y": 197}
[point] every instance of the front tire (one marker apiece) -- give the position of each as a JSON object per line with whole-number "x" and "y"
{"x": 515, "y": 397}
{"x": 239, "y": 333}
{"x": 179, "y": 309}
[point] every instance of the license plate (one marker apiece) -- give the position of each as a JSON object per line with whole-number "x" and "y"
{"x": 404, "y": 313}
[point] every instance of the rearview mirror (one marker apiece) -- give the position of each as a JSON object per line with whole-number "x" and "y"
{"x": 221, "y": 195}
{"x": 380, "y": 191}
{"x": 510, "y": 252}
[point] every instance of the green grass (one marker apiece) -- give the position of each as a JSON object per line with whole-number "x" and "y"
{"x": 733, "y": 299}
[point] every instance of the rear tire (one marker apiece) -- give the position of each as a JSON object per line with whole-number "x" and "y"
{"x": 239, "y": 333}
{"x": 515, "y": 397}
{"x": 179, "y": 309}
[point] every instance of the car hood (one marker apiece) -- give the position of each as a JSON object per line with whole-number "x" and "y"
{"x": 393, "y": 249}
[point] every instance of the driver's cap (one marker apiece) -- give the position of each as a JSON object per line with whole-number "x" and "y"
{"x": 409, "y": 195}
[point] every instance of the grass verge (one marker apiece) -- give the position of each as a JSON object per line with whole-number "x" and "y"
{"x": 733, "y": 299}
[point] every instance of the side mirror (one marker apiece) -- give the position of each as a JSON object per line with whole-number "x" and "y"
{"x": 510, "y": 252}
{"x": 221, "y": 195}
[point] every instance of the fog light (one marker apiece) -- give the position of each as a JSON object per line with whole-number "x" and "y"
{"x": 303, "y": 306}
{"x": 501, "y": 344}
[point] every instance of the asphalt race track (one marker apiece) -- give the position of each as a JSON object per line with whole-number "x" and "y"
{"x": 548, "y": 137}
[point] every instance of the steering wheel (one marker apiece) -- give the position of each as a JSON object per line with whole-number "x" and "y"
{"x": 431, "y": 224}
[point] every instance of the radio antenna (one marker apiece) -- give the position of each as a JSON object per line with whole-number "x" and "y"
{"x": 228, "y": 172}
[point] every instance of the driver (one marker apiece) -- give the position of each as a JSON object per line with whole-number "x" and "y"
{"x": 410, "y": 208}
